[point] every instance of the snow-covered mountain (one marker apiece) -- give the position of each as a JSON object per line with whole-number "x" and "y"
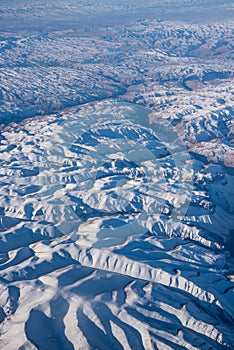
{"x": 112, "y": 234}
{"x": 116, "y": 154}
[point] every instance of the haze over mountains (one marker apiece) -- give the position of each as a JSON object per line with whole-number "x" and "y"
{"x": 116, "y": 199}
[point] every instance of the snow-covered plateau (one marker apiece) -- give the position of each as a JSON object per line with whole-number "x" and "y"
{"x": 116, "y": 175}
